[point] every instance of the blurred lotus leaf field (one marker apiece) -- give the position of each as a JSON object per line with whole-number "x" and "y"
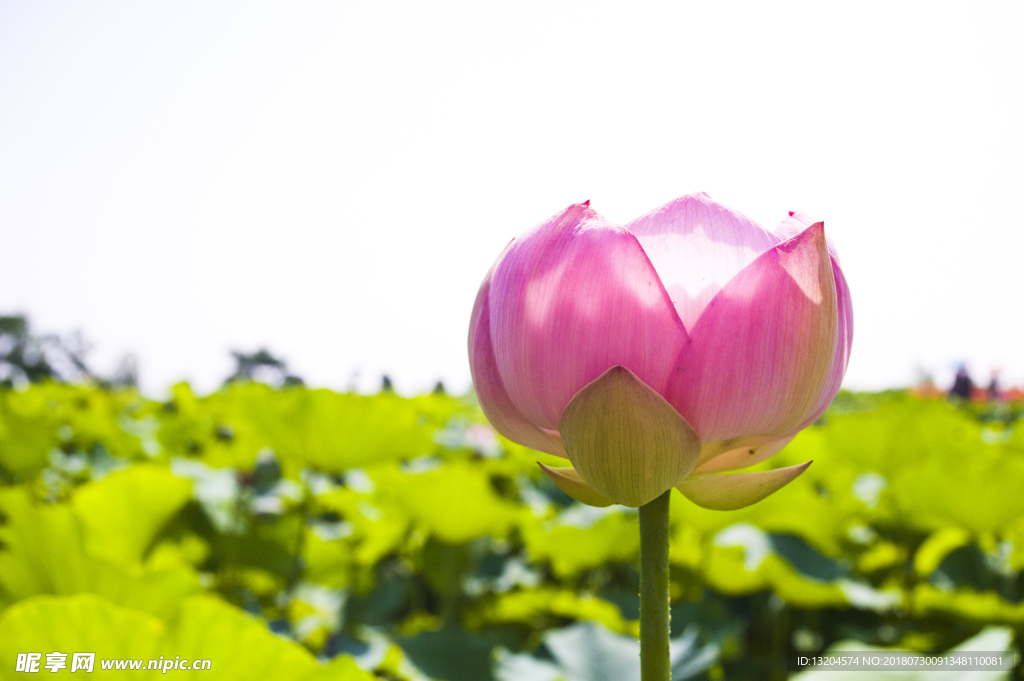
{"x": 294, "y": 533}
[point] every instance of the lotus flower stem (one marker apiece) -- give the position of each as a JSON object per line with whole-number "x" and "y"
{"x": 654, "y": 613}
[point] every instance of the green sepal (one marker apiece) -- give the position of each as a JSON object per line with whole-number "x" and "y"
{"x": 570, "y": 482}
{"x": 749, "y": 453}
{"x": 731, "y": 491}
{"x": 625, "y": 440}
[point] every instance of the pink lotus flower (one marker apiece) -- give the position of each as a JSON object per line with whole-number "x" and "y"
{"x": 692, "y": 327}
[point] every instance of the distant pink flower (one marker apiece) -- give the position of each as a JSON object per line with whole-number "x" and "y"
{"x": 746, "y": 333}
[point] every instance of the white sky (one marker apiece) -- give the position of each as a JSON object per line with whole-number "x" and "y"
{"x": 332, "y": 180}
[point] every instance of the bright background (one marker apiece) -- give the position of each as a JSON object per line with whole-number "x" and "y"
{"x": 332, "y": 180}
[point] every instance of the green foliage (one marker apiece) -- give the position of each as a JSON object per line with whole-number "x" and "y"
{"x": 301, "y": 533}
{"x": 238, "y": 645}
{"x": 45, "y": 552}
{"x": 121, "y": 513}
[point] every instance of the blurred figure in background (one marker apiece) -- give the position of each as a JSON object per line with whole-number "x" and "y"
{"x": 992, "y": 392}
{"x": 963, "y": 386}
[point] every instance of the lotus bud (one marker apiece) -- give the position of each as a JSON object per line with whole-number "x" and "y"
{"x": 663, "y": 353}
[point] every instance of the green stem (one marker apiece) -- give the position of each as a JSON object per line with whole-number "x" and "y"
{"x": 654, "y": 614}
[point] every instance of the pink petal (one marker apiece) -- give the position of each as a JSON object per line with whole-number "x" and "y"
{"x": 844, "y": 342}
{"x": 696, "y": 246}
{"x": 570, "y": 299}
{"x": 797, "y": 222}
{"x": 794, "y": 223}
{"x": 760, "y": 355}
{"x": 493, "y": 398}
